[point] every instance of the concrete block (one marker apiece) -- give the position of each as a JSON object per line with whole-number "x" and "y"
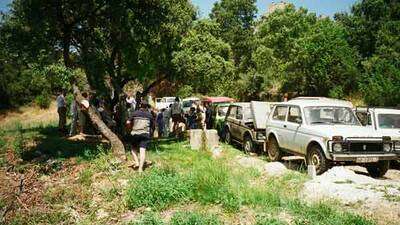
{"x": 196, "y": 138}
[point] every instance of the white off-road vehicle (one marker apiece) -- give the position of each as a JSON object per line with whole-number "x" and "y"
{"x": 327, "y": 132}
{"x": 383, "y": 120}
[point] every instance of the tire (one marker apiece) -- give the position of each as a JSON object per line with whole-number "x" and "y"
{"x": 316, "y": 157}
{"x": 248, "y": 145}
{"x": 227, "y": 136}
{"x": 378, "y": 169}
{"x": 274, "y": 152}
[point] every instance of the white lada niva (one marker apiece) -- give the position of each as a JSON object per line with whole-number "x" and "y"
{"x": 327, "y": 132}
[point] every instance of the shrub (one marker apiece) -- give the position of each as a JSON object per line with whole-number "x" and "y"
{"x": 192, "y": 218}
{"x": 43, "y": 100}
{"x": 158, "y": 189}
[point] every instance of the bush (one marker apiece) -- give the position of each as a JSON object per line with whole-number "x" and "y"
{"x": 191, "y": 218}
{"x": 43, "y": 101}
{"x": 158, "y": 189}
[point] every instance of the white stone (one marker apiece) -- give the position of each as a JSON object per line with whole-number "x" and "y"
{"x": 275, "y": 169}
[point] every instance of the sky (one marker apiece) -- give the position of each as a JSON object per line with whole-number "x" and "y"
{"x": 320, "y": 7}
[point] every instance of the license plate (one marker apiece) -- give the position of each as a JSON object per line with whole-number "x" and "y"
{"x": 367, "y": 159}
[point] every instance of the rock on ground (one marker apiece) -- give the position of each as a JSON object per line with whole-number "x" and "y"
{"x": 269, "y": 169}
{"x": 375, "y": 196}
{"x": 275, "y": 169}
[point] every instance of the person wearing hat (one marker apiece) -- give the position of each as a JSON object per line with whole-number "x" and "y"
{"x": 83, "y": 118}
{"x": 140, "y": 125}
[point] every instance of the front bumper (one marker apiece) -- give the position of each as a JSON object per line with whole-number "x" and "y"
{"x": 343, "y": 157}
{"x": 362, "y": 150}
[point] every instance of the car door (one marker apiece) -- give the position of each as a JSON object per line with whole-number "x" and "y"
{"x": 294, "y": 122}
{"x": 236, "y": 132}
{"x": 231, "y": 119}
{"x": 279, "y": 124}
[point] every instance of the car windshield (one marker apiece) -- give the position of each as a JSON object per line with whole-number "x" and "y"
{"x": 330, "y": 115}
{"x": 389, "y": 121}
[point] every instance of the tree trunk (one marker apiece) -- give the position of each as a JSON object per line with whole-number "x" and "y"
{"x": 116, "y": 144}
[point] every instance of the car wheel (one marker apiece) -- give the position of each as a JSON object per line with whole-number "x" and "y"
{"x": 378, "y": 169}
{"x": 316, "y": 157}
{"x": 274, "y": 152}
{"x": 248, "y": 145}
{"x": 228, "y": 137}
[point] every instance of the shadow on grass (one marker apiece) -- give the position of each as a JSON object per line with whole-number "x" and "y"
{"x": 50, "y": 145}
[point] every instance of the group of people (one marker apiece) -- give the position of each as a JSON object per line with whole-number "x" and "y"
{"x": 135, "y": 126}
{"x": 199, "y": 116}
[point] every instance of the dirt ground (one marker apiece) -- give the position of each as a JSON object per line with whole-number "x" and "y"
{"x": 352, "y": 186}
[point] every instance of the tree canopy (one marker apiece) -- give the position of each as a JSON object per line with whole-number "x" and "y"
{"x": 114, "y": 42}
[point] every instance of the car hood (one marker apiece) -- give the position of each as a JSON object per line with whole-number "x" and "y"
{"x": 393, "y": 133}
{"x": 345, "y": 131}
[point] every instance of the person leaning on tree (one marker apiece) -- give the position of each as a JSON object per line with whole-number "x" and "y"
{"x": 62, "y": 112}
{"x": 140, "y": 125}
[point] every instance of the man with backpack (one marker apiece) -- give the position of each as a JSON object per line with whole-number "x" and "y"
{"x": 141, "y": 124}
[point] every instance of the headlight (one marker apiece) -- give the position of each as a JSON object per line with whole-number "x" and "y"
{"x": 337, "y": 147}
{"x": 387, "y": 147}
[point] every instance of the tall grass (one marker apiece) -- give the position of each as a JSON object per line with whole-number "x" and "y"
{"x": 194, "y": 176}
{"x": 158, "y": 189}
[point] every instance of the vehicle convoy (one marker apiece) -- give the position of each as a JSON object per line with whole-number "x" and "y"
{"x": 245, "y": 123}
{"x": 327, "y": 132}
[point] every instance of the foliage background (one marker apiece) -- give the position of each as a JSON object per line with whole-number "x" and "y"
{"x": 231, "y": 53}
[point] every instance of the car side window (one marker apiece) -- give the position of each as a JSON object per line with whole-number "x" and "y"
{"x": 280, "y": 113}
{"x": 294, "y": 114}
{"x": 239, "y": 114}
{"x": 232, "y": 112}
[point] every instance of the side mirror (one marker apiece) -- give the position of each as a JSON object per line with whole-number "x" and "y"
{"x": 299, "y": 120}
{"x": 239, "y": 116}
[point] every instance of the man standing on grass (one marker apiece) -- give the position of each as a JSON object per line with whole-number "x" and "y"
{"x": 141, "y": 123}
{"x": 62, "y": 112}
{"x": 176, "y": 112}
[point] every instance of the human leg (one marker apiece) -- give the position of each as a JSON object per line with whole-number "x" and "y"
{"x": 142, "y": 158}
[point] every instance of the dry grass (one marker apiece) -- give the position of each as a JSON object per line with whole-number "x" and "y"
{"x": 28, "y": 115}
